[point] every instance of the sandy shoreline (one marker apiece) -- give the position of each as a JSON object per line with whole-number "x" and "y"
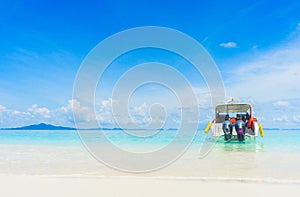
{"x": 254, "y": 169}
{"x": 31, "y": 186}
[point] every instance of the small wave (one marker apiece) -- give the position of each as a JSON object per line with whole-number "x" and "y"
{"x": 171, "y": 178}
{"x": 217, "y": 179}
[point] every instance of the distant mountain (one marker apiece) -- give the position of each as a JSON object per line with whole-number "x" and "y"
{"x": 271, "y": 129}
{"x": 115, "y": 129}
{"x": 41, "y": 126}
{"x": 172, "y": 129}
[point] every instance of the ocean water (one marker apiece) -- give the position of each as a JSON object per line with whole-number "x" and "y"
{"x": 276, "y": 157}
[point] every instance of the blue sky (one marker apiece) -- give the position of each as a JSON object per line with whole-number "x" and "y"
{"x": 44, "y": 42}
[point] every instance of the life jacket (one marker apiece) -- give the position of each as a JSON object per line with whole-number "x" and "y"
{"x": 250, "y": 123}
{"x": 233, "y": 120}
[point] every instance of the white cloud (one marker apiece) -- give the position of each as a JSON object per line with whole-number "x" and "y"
{"x": 272, "y": 75}
{"x": 144, "y": 115}
{"x": 296, "y": 118}
{"x": 281, "y": 119}
{"x": 2, "y": 108}
{"x": 104, "y": 113}
{"x": 141, "y": 114}
{"x": 12, "y": 118}
{"x": 82, "y": 113}
{"x": 106, "y": 103}
{"x": 281, "y": 104}
{"x": 272, "y": 79}
{"x": 141, "y": 110}
{"x": 35, "y": 114}
{"x": 228, "y": 45}
{"x": 43, "y": 111}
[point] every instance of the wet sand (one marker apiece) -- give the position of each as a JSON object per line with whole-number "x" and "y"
{"x": 47, "y": 186}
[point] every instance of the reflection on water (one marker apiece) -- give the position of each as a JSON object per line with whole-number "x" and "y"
{"x": 276, "y": 157}
{"x": 249, "y": 145}
{"x": 232, "y": 159}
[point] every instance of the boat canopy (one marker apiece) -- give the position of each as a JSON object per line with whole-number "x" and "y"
{"x": 234, "y": 108}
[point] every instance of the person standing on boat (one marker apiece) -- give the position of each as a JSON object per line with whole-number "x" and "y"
{"x": 247, "y": 117}
{"x": 244, "y": 119}
{"x": 240, "y": 128}
{"x": 227, "y": 128}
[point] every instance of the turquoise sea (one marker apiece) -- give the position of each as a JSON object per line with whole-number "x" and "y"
{"x": 276, "y": 157}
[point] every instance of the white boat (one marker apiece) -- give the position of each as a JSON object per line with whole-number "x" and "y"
{"x": 234, "y": 121}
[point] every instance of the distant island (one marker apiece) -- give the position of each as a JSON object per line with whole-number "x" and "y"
{"x": 44, "y": 126}
{"x": 41, "y": 126}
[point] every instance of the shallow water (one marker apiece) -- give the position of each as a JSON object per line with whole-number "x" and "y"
{"x": 274, "y": 157}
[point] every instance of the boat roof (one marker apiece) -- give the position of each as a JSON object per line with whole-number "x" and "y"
{"x": 233, "y": 108}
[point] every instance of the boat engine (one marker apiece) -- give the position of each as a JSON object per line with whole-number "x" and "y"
{"x": 227, "y": 129}
{"x": 240, "y": 130}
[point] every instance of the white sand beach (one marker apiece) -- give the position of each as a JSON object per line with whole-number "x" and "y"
{"x": 47, "y": 186}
